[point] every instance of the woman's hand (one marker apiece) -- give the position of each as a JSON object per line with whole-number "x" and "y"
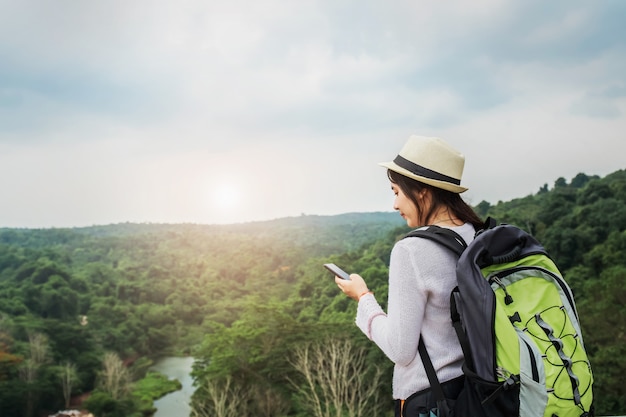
{"x": 354, "y": 288}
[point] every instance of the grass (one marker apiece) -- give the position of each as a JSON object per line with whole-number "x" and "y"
{"x": 152, "y": 387}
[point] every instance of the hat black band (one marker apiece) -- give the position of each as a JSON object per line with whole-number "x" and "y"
{"x": 424, "y": 172}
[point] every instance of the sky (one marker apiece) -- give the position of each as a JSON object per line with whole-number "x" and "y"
{"x": 213, "y": 112}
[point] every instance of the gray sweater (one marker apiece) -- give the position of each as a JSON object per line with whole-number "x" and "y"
{"x": 421, "y": 277}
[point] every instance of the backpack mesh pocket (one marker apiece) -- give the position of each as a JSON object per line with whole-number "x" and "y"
{"x": 482, "y": 398}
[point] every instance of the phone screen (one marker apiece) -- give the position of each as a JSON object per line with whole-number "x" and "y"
{"x": 337, "y": 271}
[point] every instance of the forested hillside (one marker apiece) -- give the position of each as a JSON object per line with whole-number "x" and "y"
{"x": 252, "y": 303}
{"x": 142, "y": 291}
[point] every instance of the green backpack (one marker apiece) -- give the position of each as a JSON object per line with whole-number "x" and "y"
{"x": 517, "y": 323}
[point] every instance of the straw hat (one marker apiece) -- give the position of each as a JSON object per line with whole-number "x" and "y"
{"x": 431, "y": 161}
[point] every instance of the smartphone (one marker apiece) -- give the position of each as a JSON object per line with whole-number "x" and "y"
{"x": 337, "y": 271}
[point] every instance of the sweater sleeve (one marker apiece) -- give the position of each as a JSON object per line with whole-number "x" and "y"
{"x": 397, "y": 332}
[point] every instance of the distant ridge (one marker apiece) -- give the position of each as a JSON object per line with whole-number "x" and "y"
{"x": 347, "y": 231}
{"x": 132, "y": 228}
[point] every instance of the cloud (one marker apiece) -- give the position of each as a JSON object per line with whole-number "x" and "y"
{"x": 606, "y": 102}
{"x": 114, "y": 111}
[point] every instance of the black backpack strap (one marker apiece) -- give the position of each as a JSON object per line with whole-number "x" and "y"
{"x": 435, "y": 385}
{"x": 453, "y": 241}
{"x": 458, "y": 328}
{"x": 446, "y": 237}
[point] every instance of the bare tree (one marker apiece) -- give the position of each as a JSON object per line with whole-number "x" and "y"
{"x": 29, "y": 370}
{"x": 268, "y": 402}
{"x": 338, "y": 380}
{"x": 114, "y": 377}
{"x": 223, "y": 399}
{"x": 68, "y": 376}
{"x": 38, "y": 355}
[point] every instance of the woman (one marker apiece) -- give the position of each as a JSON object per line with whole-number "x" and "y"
{"x": 426, "y": 180}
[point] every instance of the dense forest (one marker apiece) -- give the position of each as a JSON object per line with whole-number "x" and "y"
{"x": 85, "y": 311}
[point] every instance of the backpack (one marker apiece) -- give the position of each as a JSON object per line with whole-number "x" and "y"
{"x": 518, "y": 327}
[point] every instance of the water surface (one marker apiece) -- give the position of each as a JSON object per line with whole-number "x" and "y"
{"x": 175, "y": 404}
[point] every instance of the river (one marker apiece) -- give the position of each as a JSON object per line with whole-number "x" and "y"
{"x": 175, "y": 404}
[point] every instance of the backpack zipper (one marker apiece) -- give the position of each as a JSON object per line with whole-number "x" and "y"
{"x": 507, "y": 297}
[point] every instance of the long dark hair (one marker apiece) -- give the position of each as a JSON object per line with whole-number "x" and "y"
{"x": 440, "y": 198}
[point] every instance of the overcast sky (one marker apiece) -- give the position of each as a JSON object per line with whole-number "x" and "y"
{"x": 207, "y": 111}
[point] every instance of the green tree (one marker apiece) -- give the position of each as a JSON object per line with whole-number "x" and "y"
{"x": 253, "y": 353}
{"x": 102, "y": 404}
{"x": 605, "y": 335}
{"x": 560, "y": 183}
{"x": 580, "y": 180}
{"x": 482, "y": 208}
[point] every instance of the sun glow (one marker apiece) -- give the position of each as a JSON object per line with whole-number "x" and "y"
{"x": 226, "y": 197}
